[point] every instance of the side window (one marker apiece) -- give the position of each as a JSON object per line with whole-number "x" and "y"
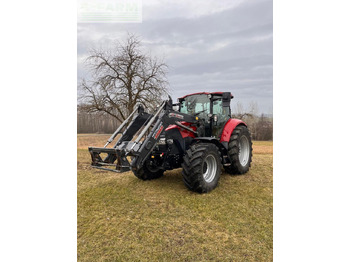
{"x": 217, "y": 107}
{"x": 221, "y": 112}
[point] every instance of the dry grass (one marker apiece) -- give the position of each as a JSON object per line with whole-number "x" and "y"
{"x": 96, "y": 140}
{"x": 121, "y": 218}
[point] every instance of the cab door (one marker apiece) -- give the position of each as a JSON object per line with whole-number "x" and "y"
{"x": 221, "y": 114}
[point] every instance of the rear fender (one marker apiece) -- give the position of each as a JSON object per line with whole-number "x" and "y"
{"x": 230, "y": 125}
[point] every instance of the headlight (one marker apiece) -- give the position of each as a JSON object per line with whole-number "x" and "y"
{"x": 161, "y": 141}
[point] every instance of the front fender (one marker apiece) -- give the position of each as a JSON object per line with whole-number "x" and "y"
{"x": 229, "y": 127}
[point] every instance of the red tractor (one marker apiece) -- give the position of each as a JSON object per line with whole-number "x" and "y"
{"x": 200, "y": 136}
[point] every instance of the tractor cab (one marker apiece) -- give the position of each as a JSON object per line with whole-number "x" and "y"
{"x": 212, "y": 108}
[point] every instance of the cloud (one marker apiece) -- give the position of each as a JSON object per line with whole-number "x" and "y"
{"x": 159, "y": 9}
{"x": 211, "y": 46}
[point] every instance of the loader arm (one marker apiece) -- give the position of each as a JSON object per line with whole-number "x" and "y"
{"x": 166, "y": 118}
{"x": 142, "y": 146}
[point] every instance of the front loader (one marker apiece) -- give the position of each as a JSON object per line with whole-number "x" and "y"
{"x": 200, "y": 137}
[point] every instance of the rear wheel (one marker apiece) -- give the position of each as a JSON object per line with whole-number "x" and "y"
{"x": 239, "y": 151}
{"x": 148, "y": 172}
{"x": 201, "y": 168}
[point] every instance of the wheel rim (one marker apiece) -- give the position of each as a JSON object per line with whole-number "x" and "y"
{"x": 209, "y": 168}
{"x": 244, "y": 151}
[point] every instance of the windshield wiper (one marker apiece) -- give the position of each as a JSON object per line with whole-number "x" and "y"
{"x": 200, "y": 112}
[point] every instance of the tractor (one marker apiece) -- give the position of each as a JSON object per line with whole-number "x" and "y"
{"x": 197, "y": 134}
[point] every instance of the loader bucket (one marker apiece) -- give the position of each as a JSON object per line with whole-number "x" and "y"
{"x": 122, "y": 164}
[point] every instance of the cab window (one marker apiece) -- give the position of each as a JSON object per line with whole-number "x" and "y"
{"x": 222, "y": 113}
{"x": 198, "y": 105}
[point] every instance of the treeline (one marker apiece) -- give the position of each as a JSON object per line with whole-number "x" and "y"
{"x": 261, "y": 127}
{"x": 96, "y": 123}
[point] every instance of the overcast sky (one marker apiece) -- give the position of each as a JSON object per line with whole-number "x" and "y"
{"x": 208, "y": 45}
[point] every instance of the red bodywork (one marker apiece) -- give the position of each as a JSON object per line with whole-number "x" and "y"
{"x": 226, "y": 132}
{"x": 184, "y": 133}
{"x": 229, "y": 127}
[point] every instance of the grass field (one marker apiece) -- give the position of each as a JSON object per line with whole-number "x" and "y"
{"x": 121, "y": 218}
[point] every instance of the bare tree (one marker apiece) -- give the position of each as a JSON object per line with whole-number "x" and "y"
{"x": 123, "y": 77}
{"x": 241, "y": 112}
{"x": 253, "y": 108}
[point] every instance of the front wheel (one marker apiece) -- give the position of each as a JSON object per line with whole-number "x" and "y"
{"x": 148, "y": 172}
{"x": 239, "y": 151}
{"x": 201, "y": 167}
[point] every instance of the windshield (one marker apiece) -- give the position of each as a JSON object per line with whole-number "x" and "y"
{"x": 198, "y": 105}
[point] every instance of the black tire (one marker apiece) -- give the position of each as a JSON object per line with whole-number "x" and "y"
{"x": 240, "y": 138}
{"x": 148, "y": 173}
{"x": 196, "y": 165}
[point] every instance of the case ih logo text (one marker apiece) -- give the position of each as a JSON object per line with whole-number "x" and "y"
{"x": 160, "y": 129}
{"x": 176, "y": 115}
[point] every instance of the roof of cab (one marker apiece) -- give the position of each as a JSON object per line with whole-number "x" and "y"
{"x": 204, "y": 93}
